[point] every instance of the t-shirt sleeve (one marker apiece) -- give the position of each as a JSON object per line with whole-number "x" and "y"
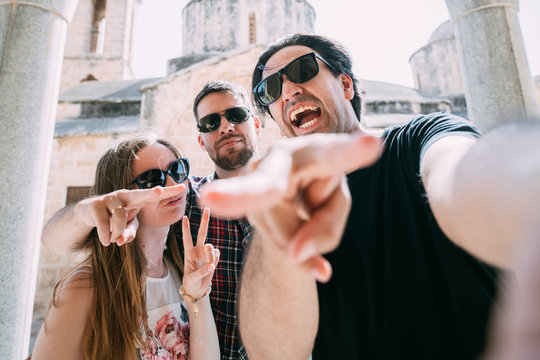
{"x": 413, "y": 139}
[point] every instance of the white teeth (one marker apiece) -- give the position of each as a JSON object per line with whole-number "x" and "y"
{"x": 309, "y": 123}
{"x": 302, "y": 109}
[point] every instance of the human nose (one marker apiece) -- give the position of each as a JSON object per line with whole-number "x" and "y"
{"x": 289, "y": 89}
{"x": 225, "y": 126}
{"x": 169, "y": 180}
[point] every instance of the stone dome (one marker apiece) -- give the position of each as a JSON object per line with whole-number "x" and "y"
{"x": 435, "y": 65}
{"x": 443, "y": 32}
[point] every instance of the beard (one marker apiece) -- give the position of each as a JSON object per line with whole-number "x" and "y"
{"x": 234, "y": 160}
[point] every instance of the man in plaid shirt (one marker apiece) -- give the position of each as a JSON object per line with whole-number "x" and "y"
{"x": 228, "y": 132}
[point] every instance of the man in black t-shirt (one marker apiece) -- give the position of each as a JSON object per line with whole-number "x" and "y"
{"x": 401, "y": 287}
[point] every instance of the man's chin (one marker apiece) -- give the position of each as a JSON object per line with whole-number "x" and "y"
{"x": 234, "y": 161}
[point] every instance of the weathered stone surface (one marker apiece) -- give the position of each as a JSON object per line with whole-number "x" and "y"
{"x": 114, "y": 61}
{"x": 32, "y": 49}
{"x": 224, "y": 25}
{"x": 177, "y": 64}
{"x": 496, "y": 75}
{"x": 435, "y": 66}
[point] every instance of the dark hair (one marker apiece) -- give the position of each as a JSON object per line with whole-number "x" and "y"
{"x": 220, "y": 86}
{"x": 332, "y": 51}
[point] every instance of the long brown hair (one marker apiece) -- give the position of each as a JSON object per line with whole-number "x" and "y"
{"x": 118, "y": 314}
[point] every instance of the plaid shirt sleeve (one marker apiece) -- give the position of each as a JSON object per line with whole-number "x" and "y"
{"x": 231, "y": 237}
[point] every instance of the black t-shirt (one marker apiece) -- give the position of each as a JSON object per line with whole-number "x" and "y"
{"x": 400, "y": 288}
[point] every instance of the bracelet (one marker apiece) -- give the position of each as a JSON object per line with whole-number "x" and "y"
{"x": 190, "y": 298}
{"x": 194, "y": 301}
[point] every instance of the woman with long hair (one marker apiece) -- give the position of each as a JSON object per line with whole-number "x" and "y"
{"x": 139, "y": 300}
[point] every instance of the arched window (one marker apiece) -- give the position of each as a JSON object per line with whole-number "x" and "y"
{"x": 97, "y": 33}
{"x": 252, "y": 29}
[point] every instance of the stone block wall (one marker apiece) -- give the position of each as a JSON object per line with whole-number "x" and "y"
{"x": 78, "y": 35}
{"x": 435, "y": 68}
{"x": 114, "y": 63}
{"x": 102, "y": 68}
{"x": 224, "y": 25}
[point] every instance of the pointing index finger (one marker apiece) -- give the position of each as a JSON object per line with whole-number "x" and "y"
{"x": 290, "y": 167}
{"x": 134, "y": 199}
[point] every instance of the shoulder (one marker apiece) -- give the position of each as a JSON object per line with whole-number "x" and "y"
{"x": 65, "y": 323}
{"x": 77, "y": 286}
{"x": 438, "y": 123}
{"x": 424, "y": 130}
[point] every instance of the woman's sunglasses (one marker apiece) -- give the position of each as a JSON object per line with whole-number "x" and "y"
{"x": 300, "y": 70}
{"x": 179, "y": 171}
{"x": 235, "y": 115}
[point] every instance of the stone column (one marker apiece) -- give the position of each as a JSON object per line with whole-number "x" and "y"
{"x": 32, "y": 37}
{"x": 495, "y": 70}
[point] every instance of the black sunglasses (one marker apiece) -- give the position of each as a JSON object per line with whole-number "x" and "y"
{"x": 235, "y": 115}
{"x": 300, "y": 70}
{"x": 179, "y": 171}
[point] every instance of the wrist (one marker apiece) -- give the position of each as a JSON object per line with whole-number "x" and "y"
{"x": 192, "y": 299}
{"x": 80, "y": 210}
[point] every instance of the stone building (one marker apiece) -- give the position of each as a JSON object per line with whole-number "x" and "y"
{"x": 101, "y": 103}
{"x": 436, "y": 69}
{"x": 99, "y": 42}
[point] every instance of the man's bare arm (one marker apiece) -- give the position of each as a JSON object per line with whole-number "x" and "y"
{"x": 298, "y": 202}
{"x": 483, "y": 193}
{"x": 270, "y": 281}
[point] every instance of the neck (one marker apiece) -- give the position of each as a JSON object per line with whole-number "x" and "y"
{"x": 152, "y": 242}
{"x": 224, "y": 174}
{"x": 354, "y": 126}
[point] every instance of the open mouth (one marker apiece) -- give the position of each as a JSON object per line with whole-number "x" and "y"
{"x": 305, "y": 116}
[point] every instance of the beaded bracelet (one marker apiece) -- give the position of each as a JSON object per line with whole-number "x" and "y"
{"x": 194, "y": 301}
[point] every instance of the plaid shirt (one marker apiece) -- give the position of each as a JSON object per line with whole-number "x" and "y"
{"x": 230, "y": 236}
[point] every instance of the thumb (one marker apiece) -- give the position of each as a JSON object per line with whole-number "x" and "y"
{"x": 130, "y": 231}
{"x": 201, "y": 272}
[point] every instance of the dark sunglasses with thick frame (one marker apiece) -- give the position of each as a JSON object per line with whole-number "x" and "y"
{"x": 300, "y": 70}
{"x": 236, "y": 115}
{"x": 178, "y": 170}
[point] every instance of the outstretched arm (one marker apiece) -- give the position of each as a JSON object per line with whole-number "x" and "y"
{"x": 298, "y": 202}
{"x": 112, "y": 214}
{"x": 484, "y": 194}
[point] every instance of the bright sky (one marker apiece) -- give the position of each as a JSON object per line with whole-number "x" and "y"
{"x": 381, "y": 34}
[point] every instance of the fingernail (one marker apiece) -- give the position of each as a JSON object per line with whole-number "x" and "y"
{"x": 210, "y": 267}
{"x": 305, "y": 252}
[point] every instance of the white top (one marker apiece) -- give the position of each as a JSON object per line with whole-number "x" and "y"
{"x": 168, "y": 319}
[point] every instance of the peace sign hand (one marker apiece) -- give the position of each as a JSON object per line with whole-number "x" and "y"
{"x": 200, "y": 261}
